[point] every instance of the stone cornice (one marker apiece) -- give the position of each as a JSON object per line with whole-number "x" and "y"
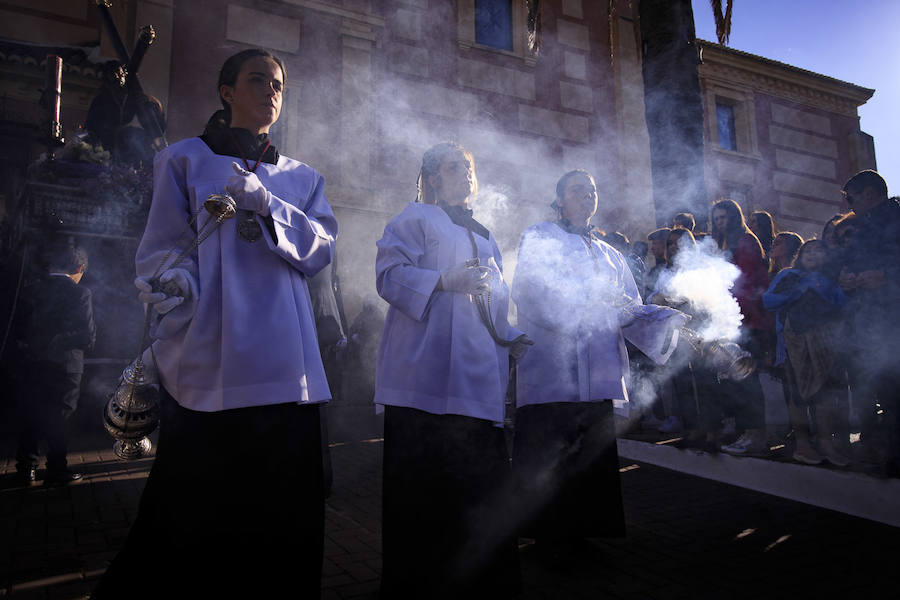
{"x": 331, "y": 9}
{"x": 724, "y": 65}
{"x": 33, "y": 59}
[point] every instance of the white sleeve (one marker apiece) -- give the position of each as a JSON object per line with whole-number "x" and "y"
{"x": 167, "y": 226}
{"x": 399, "y": 278}
{"x": 304, "y": 236}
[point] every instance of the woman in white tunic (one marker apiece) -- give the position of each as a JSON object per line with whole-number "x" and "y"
{"x": 234, "y": 505}
{"x": 577, "y": 299}
{"x": 441, "y": 376}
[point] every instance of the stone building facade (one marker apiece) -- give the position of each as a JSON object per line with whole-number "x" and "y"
{"x": 373, "y": 83}
{"x": 780, "y": 139}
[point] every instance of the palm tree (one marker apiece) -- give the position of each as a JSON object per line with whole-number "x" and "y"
{"x": 673, "y": 103}
{"x": 722, "y": 19}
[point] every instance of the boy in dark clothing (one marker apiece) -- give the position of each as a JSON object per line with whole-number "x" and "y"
{"x": 55, "y": 328}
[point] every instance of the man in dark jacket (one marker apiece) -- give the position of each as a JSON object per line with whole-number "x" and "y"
{"x": 871, "y": 278}
{"x": 56, "y": 326}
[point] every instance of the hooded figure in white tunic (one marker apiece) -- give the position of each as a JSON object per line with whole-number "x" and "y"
{"x": 238, "y": 362}
{"x": 577, "y": 299}
{"x": 442, "y": 374}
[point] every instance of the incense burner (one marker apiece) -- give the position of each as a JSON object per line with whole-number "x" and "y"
{"x": 132, "y": 413}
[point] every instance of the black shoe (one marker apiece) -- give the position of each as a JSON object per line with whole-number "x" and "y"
{"x": 61, "y": 477}
{"x": 25, "y": 477}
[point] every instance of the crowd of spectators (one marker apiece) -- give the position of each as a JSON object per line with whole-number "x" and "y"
{"x": 819, "y": 315}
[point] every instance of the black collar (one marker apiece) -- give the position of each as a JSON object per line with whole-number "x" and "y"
{"x": 221, "y": 141}
{"x": 462, "y": 216}
{"x": 569, "y": 227}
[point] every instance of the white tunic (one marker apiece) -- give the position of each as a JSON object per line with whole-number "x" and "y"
{"x": 436, "y": 354}
{"x": 579, "y": 302}
{"x": 247, "y": 338}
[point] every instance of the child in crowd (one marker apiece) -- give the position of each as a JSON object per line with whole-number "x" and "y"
{"x": 783, "y": 251}
{"x": 808, "y": 308}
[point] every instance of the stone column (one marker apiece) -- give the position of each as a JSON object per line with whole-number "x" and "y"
{"x": 357, "y": 130}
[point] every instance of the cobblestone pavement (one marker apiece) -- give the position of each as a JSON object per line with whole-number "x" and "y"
{"x": 687, "y": 538}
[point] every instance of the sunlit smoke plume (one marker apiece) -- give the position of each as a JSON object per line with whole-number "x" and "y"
{"x": 492, "y": 207}
{"x": 704, "y": 278}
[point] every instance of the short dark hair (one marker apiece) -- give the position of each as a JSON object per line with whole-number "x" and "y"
{"x": 867, "y": 179}
{"x": 680, "y": 232}
{"x": 851, "y": 219}
{"x": 64, "y": 256}
{"x": 659, "y": 234}
{"x": 685, "y": 220}
{"x": 845, "y": 218}
{"x": 561, "y": 184}
{"x": 793, "y": 240}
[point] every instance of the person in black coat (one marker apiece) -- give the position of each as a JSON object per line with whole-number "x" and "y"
{"x": 55, "y": 328}
{"x": 871, "y": 279}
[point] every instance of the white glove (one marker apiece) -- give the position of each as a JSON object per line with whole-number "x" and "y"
{"x": 248, "y": 191}
{"x": 173, "y": 288}
{"x": 466, "y": 279}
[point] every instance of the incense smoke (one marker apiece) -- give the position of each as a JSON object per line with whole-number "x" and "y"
{"x": 703, "y": 278}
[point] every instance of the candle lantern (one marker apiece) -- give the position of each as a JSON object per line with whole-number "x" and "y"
{"x": 53, "y": 98}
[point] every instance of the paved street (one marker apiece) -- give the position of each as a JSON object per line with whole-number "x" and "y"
{"x": 688, "y": 537}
